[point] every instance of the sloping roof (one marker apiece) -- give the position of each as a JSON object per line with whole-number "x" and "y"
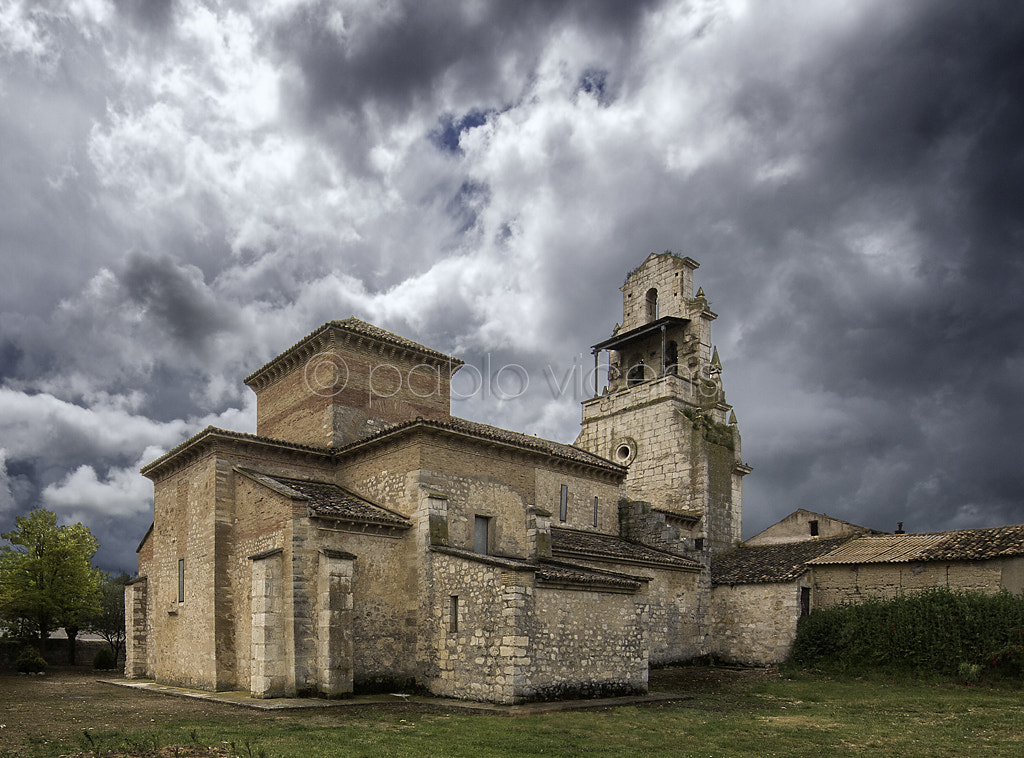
{"x": 327, "y": 500}
{"x": 764, "y": 564}
{"x": 553, "y": 572}
{"x": 198, "y": 442}
{"x": 582, "y": 544}
{"x": 490, "y": 433}
{"x": 959, "y": 545}
{"x": 352, "y": 325}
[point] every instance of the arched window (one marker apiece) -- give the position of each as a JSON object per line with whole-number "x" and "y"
{"x": 652, "y": 304}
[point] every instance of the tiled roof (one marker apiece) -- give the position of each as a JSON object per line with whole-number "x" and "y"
{"x": 552, "y": 572}
{"x": 764, "y": 564}
{"x": 315, "y": 340}
{"x": 959, "y": 545}
{"x": 494, "y": 434}
{"x": 575, "y": 542}
{"x": 198, "y": 442}
{"x": 330, "y": 501}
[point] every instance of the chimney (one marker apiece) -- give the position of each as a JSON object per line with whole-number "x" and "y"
{"x": 899, "y": 528}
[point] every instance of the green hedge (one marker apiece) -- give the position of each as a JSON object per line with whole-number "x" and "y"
{"x": 932, "y": 631}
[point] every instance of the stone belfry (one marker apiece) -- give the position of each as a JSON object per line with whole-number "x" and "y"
{"x": 663, "y": 414}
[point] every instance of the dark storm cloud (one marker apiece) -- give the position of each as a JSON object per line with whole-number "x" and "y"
{"x": 919, "y": 121}
{"x": 180, "y": 305}
{"x": 399, "y": 58}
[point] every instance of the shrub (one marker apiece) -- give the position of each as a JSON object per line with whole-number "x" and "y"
{"x": 30, "y": 661}
{"x": 104, "y": 659}
{"x": 933, "y": 631}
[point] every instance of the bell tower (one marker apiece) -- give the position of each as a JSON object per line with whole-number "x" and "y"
{"x": 664, "y": 417}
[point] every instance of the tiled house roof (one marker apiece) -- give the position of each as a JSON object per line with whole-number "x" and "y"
{"x": 581, "y": 544}
{"x": 960, "y": 545}
{"x": 353, "y": 326}
{"x": 488, "y": 433}
{"x": 329, "y": 500}
{"x": 553, "y": 572}
{"x": 764, "y": 564}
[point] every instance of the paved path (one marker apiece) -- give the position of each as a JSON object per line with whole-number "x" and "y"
{"x": 282, "y": 703}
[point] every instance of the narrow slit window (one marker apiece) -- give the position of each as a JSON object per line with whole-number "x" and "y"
{"x": 481, "y": 534}
{"x": 698, "y": 543}
{"x": 453, "y": 613}
{"x": 181, "y": 580}
{"x": 563, "y": 503}
{"x": 805, "y": 601}
{"x": 595, "y": 510}
{"x": 814, "y": 528}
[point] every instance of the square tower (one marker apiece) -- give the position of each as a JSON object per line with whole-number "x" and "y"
{"x": 663, "y": 413}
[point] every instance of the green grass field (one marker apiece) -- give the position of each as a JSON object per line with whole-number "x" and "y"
{"x": 805, "y": 716}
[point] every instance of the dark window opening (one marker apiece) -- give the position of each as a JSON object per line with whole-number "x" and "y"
{"x": 181, "y": 580}
{"x": 652, "y": 304}
{"x": 698, "y": 543}
{"x": 672, "y": 358}
{"x": 481, "y": 534}
{"x": 595, "y": 510}
{"x": 453, "y": 613}
{"x": 814, "y": 528}
{"x": 805, "y": 601}
{"x": 563, "y": 503}
{"x": 637, "y": 373}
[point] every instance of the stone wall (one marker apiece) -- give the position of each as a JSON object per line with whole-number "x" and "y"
{"x": 678, "y": 615}
{"x": 754, "y": 624}
{"x": 495, "y": 636}
{"x": 477, "y": 626}
{"x": 588, "y": 644}
{"x": 337, "y": 387}
{"x": 670, "y": 276}
{"x": 836, "y": 584}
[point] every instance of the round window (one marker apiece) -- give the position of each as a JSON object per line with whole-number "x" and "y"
{"x": 624, "y": 451}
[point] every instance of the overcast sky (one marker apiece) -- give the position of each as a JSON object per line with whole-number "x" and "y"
{"x": 186, "y": 189}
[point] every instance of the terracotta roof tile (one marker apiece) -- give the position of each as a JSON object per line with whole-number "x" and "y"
{"x": 328, "y": 500}
{"x": 959, "y": 545}
{"x": 495, "y": 434}
{"x": 764, "y": 564}
{"x": 575, "y": 542}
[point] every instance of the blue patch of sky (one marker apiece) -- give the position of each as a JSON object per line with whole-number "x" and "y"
{"x": 446, "y": 136}
{"x": 594, "y": 81}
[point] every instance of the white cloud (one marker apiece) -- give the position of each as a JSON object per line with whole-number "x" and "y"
{"x": 121, "y": 491}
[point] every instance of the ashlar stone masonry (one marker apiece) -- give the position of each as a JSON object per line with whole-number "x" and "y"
{"x": 365, "y": 539}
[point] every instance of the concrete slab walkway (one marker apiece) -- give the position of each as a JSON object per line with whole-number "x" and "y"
{"x": 244, "y": 700}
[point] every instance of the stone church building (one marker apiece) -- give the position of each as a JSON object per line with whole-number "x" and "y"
{"x": 366, "y": 539}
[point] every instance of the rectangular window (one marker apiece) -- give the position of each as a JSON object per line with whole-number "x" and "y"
{"x": 453, "y": 613}
{"x": 814, "y": 528}
{"x": 563, "y": 503}
{"x": 698, "y": 543}
{"x": 805, "y": 601}
{"x": 595, "y": 510}
{"x": 181, "y": 580}
{"x": 481, "y": 534}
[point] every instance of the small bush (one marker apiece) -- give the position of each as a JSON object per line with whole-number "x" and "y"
{"x": 970, "y": 673}
{"x": 104, "y": 659}
{"x": 30, "y": 661}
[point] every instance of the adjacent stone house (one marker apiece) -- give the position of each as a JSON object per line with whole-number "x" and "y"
{"x": 809, "y": 561}
{"x": 982, "y": 560}
{"x": 364, "y": 538}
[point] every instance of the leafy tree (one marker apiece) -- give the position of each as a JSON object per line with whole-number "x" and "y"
{"x": 47, "y": 580}
{"x": 109, "y": 620}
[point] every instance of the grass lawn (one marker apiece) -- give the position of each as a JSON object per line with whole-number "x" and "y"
{"x": 746, "y": 716}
